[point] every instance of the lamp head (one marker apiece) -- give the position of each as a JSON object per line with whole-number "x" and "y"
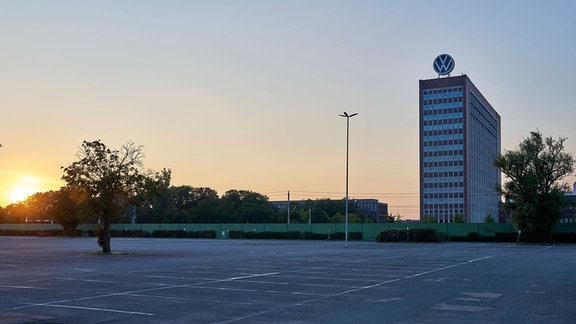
{"x": 345, "y": 114}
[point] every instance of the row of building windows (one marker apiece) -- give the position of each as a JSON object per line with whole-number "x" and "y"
{"x": 455, "y": 184}
{"x": 445, "y": 195}
{"x": 432, "y": 148}
{"x": 444, "y": 121}
{"x": 444, "y": 142}
{"x": 445, "y": 212}
{"x": 443, "y": 132}
{"x": 443, "y": 153}
{"x": 444, "y": 174}
{"x": 442, "y": 93}
{"x": 443, "y": 137}
{"x": 443, "y": 127}
{"x": 442, "y": 101}
{"x": 449, "y": 163}
{"x": 429, "y": 111}
{"x": 440, "y": 205}
{"x": 439, "y": 107}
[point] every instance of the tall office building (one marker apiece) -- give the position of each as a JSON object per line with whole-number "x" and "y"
{"x": 459, "y": 138}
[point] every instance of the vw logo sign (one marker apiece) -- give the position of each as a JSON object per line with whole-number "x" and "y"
{"x": 443, "y": 64}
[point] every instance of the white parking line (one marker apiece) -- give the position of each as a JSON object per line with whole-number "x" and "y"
{"x": 127, "y": 293}
{"x": 95, "y": 309}
{"x": 447, "y": 267}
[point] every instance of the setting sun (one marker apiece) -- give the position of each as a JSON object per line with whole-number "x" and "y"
{"x": 17, "y": 186}
{"x": 20, "y": 193}
{"x": 22, "y": 189}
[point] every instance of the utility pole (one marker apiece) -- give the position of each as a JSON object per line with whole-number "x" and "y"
{"x": 288, "y": 218}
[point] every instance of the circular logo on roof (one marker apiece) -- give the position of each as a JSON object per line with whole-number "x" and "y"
{"x": 443, "y": 64}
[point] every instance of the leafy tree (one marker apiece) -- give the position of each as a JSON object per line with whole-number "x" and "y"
{"x": 353, "y": 218}
{"x": 534, "y": 195}
{"x": 427, "y": 219}
{"x": 187, "y": 197}
{"x": 210, "y": 210}
{"x": 39, "y": 206}
{"x": 243, "y": 206}
{"x": 390, "y": 218}
{"x": 339, "y": 218}
{"x": 393, "y": 218}
{"x": 112, "y": 179}
{"x": 154, "y": 202}
{"x": 358, "y": 218}
{"x": 9, "y": 216}
{"x": 332, "y": 207}
{"x": 69, "y": 208}
{"x": 489, "y": 219}
{"x": 458, "y": 218}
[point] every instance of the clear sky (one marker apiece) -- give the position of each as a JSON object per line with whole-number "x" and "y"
{"x": 246, "y": 94}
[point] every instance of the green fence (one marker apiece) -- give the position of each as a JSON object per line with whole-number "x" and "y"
{"x": 369, "y": 231}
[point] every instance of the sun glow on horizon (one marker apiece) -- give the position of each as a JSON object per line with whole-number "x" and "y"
{"x": 20, "y": 193}
{"x": 26, "y": 187}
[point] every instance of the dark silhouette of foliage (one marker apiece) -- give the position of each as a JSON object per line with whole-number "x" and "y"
{"x": 112, "y": 178}
{"x": 533, "y": 194}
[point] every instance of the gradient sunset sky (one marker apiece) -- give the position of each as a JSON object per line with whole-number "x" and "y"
{"x": 246, "y": 94}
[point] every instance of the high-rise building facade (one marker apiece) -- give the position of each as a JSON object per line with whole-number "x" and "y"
{"x": 459, "y": 139}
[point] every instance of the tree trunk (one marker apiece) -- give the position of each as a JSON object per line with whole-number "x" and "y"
{"x": 106, "y": 235}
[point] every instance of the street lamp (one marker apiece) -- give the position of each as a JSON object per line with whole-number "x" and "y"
{"x": 347, "y": 144}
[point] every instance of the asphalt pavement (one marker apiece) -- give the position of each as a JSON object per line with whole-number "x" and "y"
{"x": 151, "y": 280}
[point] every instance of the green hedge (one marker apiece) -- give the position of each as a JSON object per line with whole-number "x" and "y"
{"x": 564, "y": 237}
{"x": 40, "y": 233}
{"x": 392, "y": 235}
{"x": 184, "y": 234}
{"x": 292, "y": 235}
{"x": 315, "y": 236}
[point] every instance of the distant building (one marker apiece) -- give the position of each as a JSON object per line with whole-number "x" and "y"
{"x": 459, "y": 139}
{"x": 373, "y": 209}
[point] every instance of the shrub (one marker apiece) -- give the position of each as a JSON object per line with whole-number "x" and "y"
{"x": 235, "y": 234}
{"x": 392, "y": 235}
{"x": 169, "y": 233}
{"x": 252, "y": 235}
{"x": 506, "y": 237}
{"x": 337, "y": 236}
{"x": 140, "y": 233}
{"x": 292, "y": 235}
{"x": 425, "y": 235}
{"x": 457, "y": 238}
{"x": 564, "y": 237}
{"x": 314, "y": 236}
{"x": 355, "y": 236}
{"x": 473, "y": 237}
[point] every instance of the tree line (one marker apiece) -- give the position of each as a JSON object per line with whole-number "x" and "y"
{"x": 106, "y": 185}
{"x": 111, "y": 185}
{"x": 180, "y": 204}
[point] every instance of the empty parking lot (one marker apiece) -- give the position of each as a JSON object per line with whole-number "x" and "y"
{"x": 64, "y": 280}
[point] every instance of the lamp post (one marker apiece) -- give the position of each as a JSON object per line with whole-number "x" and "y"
{"x": 347, "y": 144}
